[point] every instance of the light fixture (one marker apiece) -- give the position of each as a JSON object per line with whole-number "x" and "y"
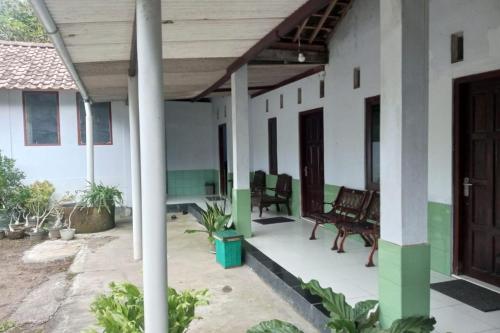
{"x": 301, "y": 57}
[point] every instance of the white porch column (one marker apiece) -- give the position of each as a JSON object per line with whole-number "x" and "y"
{"x": 241, "y": 151}
{"x": 135, "y": 165}
{"x": 404, "y": 258}
{"x": 89, "y": 141}
{"x": 153, "y": 178}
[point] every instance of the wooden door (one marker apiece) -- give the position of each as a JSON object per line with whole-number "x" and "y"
{"x": 223, "y": 159}
{"x": 312, "y": 161}
{"x": 480, "y": 187}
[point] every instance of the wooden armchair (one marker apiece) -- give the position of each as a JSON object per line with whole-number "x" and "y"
{"x": 367, "y": 226}
{"x": 347, "y": 206}
{"x": 258, "y": 184}
{"x": 282, "y": 195}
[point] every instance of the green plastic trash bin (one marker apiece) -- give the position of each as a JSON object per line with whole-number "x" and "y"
{"x": 228, "y": 248}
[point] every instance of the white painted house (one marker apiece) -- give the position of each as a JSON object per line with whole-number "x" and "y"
{"x": 405, "y": 100}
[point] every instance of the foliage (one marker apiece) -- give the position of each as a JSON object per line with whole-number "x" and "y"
{"x": 122, "y": 311}
{"x": 6, "y": 325}
{"x": 363, "y": 318}
{"x": 274, "y": 326}
{"x": 39, "y": 204}
{"x": 15, "y": 204}
{"x": 214, "y": 219}
{"x": 101, "y": 197}
{"x": 18, "y": 22}
{"x": 10, "y": 179}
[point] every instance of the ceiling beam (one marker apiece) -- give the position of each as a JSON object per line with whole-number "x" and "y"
{"x": 322, "y": 21}
{"x": 273, "y": 57}
{"x": 347, "y": 7}
{"x": 294, "y": 46}
{"x": 298, "y": 16}
{"x": 299, "y": 30}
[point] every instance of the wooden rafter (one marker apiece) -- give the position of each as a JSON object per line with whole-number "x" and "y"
{"x": 322, "y": 21}
{"x": 342, "y": 15}
{"x": 299, "y": 30}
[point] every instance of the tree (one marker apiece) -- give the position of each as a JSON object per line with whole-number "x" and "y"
{"x": 18, "y": 22}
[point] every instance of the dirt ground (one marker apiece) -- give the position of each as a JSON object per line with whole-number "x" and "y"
{"x": 17, "y": 279}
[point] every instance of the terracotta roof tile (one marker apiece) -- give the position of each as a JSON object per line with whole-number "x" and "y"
{"x": 32, "y": 66}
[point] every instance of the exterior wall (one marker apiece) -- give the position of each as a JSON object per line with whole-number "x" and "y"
{"x": 356, "y": 44}
{"x": 64, "y": 165}
{"x": 191, "y": 153}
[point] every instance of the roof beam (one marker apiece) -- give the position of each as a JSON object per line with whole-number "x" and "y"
{"x": 299, "y": 30}
{"x": 303, "y": 12}
{"x": 273, "y": 57}
{"x": 322, "y": 21}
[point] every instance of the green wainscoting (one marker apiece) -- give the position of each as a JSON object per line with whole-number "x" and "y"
{"x": 440, "y": 235}
{"x": 241, "y": 211}
{"x": 404, "y": 281}
{"x": 295, "y": 200}
{"x": 191, "y": 182}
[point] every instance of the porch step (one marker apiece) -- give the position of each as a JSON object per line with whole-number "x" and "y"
{"x": 287, "y": 286}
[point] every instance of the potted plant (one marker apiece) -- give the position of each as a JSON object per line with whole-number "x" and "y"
{"x": 96, "y": 208}
{"x": 39, "y": 206}
{"x": 58, "y": 212}
{"x": 15, "y": 208}
{"x": 68, "y": 233}
{"x": 214, "y": 219}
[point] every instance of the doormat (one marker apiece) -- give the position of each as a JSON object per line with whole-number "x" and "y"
{"x": 273, "y": 220}
{"x": 215, "y": 198}
{"x": 478, "y": 297}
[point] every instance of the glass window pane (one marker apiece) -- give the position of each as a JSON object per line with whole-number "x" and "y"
{"x": 375, "y": 144}
{"x": 101, "y": 113}
{"x": 41, "y": 117}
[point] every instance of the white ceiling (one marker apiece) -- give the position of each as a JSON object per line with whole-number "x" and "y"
{"x": 203, "y": 39}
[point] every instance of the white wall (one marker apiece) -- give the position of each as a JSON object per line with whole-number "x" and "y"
{"x": 356, "y": 44}
{"x": 221, "y": 114}
{"x": 190, "y": 136}
{"x": 64, "y": 165}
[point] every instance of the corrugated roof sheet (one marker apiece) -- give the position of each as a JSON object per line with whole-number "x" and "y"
{"x": 32, "y": 66}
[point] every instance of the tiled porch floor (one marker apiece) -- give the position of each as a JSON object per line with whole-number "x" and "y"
{"x": 288, "y": 244}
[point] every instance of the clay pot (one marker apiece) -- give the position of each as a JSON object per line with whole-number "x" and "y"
{"x": 37, "y": 236}
{"x": 2, "y": 234}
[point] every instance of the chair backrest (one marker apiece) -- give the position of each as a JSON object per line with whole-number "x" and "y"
{"x": 259, "y": 180}
{"x": 350, "y": 201}
{"x": 371, "y": 212}
{"x": 284, "y": 186}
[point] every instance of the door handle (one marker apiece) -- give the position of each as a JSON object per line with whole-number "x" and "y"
{"x": 467, "y": 184}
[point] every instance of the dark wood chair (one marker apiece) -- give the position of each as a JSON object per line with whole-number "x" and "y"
{"x": 258, "y": 184}
{"x": 367, "y": 226}
{"x": 282, "y": 195}
{"x": 347, "y": 206}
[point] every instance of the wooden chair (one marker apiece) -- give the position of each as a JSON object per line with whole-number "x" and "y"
{"x": 258, "y": 183}
{"x": 282, "y": 195}
{"x": 367, "y": 226}
{"x": 347, "y": 206}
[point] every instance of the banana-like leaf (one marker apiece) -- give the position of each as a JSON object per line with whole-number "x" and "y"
{"x": 342, "y": 326}
{"x": 274, "y": 326}
{"x": 334, "y": 302}
{"x": 366, "y": 314}
{"x": 413, "y": 325}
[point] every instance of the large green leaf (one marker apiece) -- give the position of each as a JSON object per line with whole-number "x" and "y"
{"x": 334, "y": 302}
{"x": 413, "y": 325}
{"x": 274, "y": 326}
{"x": 366, "y": 314}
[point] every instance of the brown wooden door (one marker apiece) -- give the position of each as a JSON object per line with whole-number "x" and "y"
{"x": 481, "y": 181}
{"x": 223, "y": 159}
{"x": 312, "y": 164}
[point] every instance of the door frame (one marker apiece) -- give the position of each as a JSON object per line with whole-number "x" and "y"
{"x": 301, "y": 158}
{"x": 457, "y": 148}
{"x": 222, "y": 184}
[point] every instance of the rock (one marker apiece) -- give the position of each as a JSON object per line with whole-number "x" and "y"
{"x": 52, "y": 250}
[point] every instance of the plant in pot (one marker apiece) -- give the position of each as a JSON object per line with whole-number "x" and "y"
{"x": 55, "y": 229}
{"x": 39, "y": 206}
{"x": 16, "y": 209}
{"x": 214, "y": 219}
{"x": 69, "y": 200}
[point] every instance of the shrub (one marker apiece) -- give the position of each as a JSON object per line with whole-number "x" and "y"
{"x": 213, "y": 219}
{"x": 122, "y": 310}
{"x": 101, "y": 197}
{"x": 10, "y": 179}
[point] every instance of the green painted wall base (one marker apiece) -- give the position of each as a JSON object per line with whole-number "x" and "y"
{"x": 440, "y": 236}
{"x": 191, "y": 182}
{"x": 294, "y": 201}
{"x": 404, "y": 281}
{"x": 241, "y": 211}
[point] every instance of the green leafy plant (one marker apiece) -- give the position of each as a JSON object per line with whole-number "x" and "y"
{"x": 122, "y": 310}
{"x": 6, "y": 325}
{"x": 10, "y": 179}
{"x": 39, "y": 202}
{"x": 101, "y": 197}
{"x": 214, "y": 219}
{"x": 18, "y": 22}
{"x": 274, "y": 326}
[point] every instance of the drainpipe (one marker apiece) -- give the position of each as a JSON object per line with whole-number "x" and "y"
{"x": 47, "y": 21}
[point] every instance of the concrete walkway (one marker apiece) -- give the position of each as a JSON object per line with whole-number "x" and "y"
{"x": 238, "y": 298}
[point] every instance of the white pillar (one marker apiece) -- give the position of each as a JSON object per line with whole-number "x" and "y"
{"x": 404, "y": 257}
{"x": 89, "y": 141}
{"x": 153, "y": 178}
{"x": 135, "y": 165}
{"x": 241, "y": 151}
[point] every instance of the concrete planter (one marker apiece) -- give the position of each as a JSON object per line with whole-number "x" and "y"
{"x": 54, "y": 233}
{"x": 67, "y": 234}
{"x": 2, "y": 234}
{"x": 16, "y": 234}
{"x": 36, "y": 236}
{"x": 90, "y": 220}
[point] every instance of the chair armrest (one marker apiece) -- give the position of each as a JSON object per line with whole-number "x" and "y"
{"x": 271, "y": 189}
{"x": 328, "y": 203}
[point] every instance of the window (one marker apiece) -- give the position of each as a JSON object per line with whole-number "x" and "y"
{"x": 267, "y": 105}
{"x": 41, "y": 118}
{"x": 457, "y": 47}
{"x": 281, "y": 101}
{"x": 321, "y": 88}
{"x": 101, "y": 119}
{"x": 273, "y": 146}
{"x": 299, "y": 96}
{"x": 372, "y": 142}
{"x": 356, "y": 78}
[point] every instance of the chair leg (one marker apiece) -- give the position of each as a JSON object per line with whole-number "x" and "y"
{"x": 288, "y": 208}
{"x": 372, "y": 252}
{"x": 260, "y": 210}
{"x": 368, "y": 241}
{"x": 313, "y": 233}
{"x": 342, "y": 241}
{"x": 336, "y": 240}
{"x": 278, "y": 208}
